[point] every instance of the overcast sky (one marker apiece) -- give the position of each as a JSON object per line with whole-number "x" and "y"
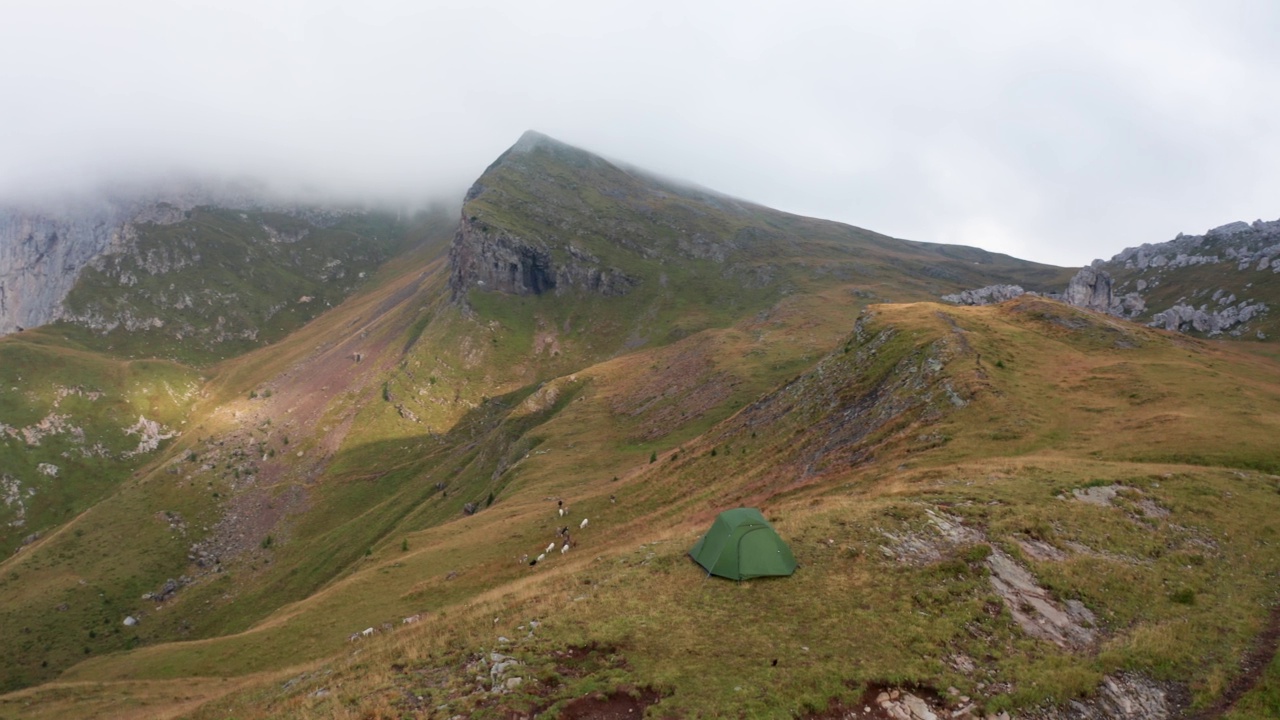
{"x": 1056, "y": 132}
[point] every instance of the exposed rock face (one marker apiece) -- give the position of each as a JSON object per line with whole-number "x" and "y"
{"x": 1033, "y": 608}
{"x": 501, "y": 263}
{"x": 986, "y": 295}
{"x": 150, "y": 433}
{"x": 1138, "y": 278}
{"x": 1130, "y": 305}
{"x": 1068, "y": 625}
{"x": 1185, "y": 318}
{"x": 1252, "y": 248}
{"x": 486, "y": 259}
{"x": 1122, "y": 696}
{"x": 575, "y": 208}
{"x": 1090, "y": 289}
{"x": 42, "y": 252}
{"x": 44, "y": 247}
{"x": 1243, "y": 244}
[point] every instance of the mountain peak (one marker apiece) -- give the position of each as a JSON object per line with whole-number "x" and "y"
{"x": 547, "y": 217}
{"x": 533, "y": 143}
{"x": 532, "y": 139}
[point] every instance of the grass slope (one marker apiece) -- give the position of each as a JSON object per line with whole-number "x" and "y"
{"x": 69, "y": 427}
{"x": 240, "y": 452}
{"x": 402, "y": 455}
{"x": 991, "y": 416}
{"x": 116, "y": 525}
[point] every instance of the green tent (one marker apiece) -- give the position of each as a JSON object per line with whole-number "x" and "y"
{"x": 740, "y": 545}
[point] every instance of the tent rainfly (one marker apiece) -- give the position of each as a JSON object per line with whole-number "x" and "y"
{"x": 741, "y": 545}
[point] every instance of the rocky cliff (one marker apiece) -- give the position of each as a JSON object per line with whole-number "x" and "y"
{"x": 1222, "y": 282}
{"x": 221, "y": 281}
{"x": 188, "y": 269}
{"x": 45, "y": 246}
{"x": 551, "y": 256}
{"x": 43, "y": 250}
{"x": 487, "y": 259}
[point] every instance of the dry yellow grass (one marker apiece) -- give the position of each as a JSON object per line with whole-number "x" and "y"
{"x": 1053, "y": 401}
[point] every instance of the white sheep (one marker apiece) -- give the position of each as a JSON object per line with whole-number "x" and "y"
{"x": 540, "y": 557}
{"x": 564, "y": 548}
{"x": 368, "y": 632}
{"x": 551, "y": 546}
{"x": 583, "y": 524}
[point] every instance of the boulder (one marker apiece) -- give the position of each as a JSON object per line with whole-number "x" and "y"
{"x": 1090, "y": 289}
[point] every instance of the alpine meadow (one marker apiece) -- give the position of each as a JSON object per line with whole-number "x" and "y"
{"x": 285, "y": 460}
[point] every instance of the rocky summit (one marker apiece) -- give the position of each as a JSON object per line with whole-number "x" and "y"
{"x": 263, "y": 462}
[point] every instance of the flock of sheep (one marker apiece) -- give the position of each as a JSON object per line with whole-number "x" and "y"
{"x": 563, "y": 538}
{"x": 371, "y": 631}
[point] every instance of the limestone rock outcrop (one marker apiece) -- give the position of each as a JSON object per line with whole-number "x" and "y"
{"x": 1218, "y": 283}
{"x": 1185, "y": 318}
{"x": 985, "y": 295}
{"x": 43, "y": 250}
{"x": 1090, "y": 289}
{"x": 1246, "y": 245}
{"x": 45, "y": 245}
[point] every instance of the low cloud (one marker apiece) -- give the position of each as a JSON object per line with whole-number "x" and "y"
{"x": 1059, "y": 134}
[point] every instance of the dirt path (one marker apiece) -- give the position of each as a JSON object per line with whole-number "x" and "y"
{"x": 1253, "y": 667}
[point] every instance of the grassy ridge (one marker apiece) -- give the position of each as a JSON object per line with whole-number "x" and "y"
{"x": 698, "y": 259}
{"x": 1171, "y": 597}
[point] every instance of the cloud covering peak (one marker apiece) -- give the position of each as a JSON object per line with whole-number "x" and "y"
{"x": 1055, "y": 133}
